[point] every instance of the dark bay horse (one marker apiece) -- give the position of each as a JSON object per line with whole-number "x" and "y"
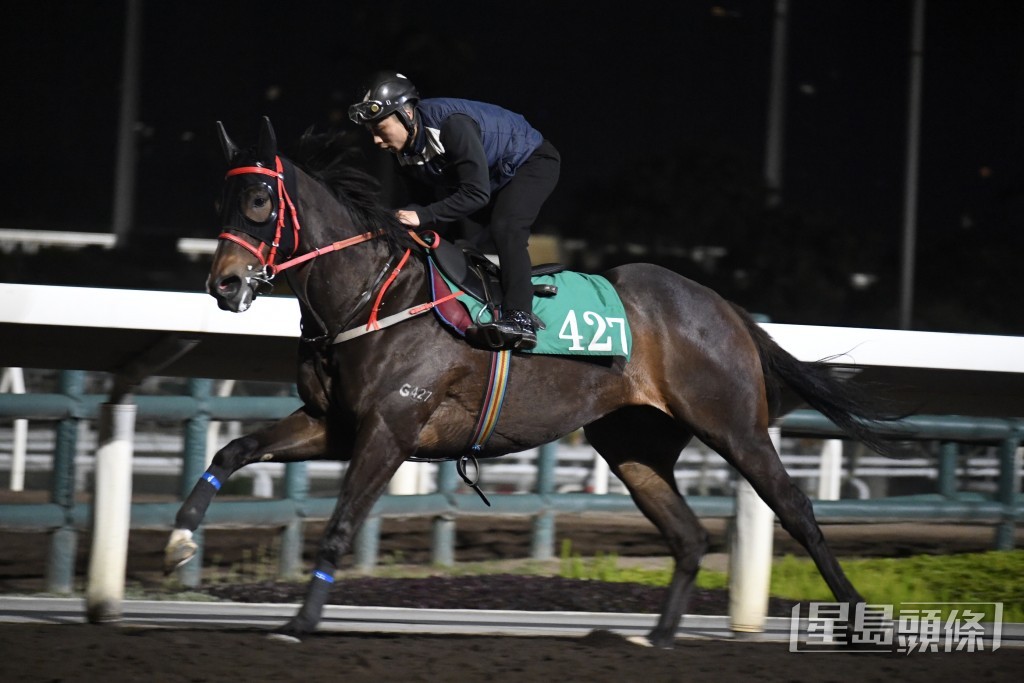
{"x": 700, "y": 367}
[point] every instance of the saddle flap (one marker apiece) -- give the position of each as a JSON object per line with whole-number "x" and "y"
{"x": 470, "y": 270}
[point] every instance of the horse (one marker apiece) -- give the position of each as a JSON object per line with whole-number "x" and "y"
{"x": 700, "y": 367}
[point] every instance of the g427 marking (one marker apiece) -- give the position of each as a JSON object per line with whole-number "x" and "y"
{"x": 415, "y": 393}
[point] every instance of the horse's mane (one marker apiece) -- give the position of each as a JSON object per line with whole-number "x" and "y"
{"x": 332, "y": 158}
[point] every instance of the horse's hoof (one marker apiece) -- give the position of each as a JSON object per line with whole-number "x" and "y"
{"x": 663, "y": 641}
{"x": 286, "y": 633}
{"x": 642, "y": 641}
{"x": 180, "y": 549}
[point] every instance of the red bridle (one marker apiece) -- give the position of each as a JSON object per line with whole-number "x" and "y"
{"x": 270, "y": 269}
{"x": 287, "y": 206}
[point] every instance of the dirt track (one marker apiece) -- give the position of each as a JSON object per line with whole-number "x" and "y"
{"x": 95, "y": 653}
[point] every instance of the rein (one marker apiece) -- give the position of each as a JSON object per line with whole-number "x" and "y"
{"x": 273, "y": 269}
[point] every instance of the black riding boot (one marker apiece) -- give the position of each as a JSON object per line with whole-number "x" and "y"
{"x": 514, "y": 331}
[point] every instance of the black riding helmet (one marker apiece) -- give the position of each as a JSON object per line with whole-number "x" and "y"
{"x": 385, "y": 95}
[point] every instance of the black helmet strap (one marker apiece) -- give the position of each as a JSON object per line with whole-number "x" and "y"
{"x": 408, "y": 121}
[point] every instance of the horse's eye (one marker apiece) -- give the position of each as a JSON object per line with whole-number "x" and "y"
{"x": 256, "y": 203}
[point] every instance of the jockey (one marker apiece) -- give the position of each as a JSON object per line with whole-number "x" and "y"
{"x": 488, "y": 167}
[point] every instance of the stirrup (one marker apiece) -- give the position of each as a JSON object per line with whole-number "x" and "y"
{"x": 490, "y": 338}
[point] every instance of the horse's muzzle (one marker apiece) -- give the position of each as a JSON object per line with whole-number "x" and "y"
{"x": 232, "y": 293}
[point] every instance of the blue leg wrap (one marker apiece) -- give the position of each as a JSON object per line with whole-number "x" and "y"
{"x": 211, "y": 480}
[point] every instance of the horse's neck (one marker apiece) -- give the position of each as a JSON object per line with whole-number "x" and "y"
{"x": 340, "y": 290}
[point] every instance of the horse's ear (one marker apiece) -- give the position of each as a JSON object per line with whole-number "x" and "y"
{"x": 268, "y": 141}
{"x": 229, "y": 147}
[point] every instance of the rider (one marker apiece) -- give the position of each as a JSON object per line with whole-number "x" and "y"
{"x": 488, "y": 167}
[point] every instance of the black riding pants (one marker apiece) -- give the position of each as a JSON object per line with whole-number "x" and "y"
{"x": 508, "y": 218}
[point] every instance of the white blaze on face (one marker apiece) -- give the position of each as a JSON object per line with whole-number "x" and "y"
{"x": 244, "y": 304}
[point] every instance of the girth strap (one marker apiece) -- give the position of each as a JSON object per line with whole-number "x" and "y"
{"x": 501, "y": 362}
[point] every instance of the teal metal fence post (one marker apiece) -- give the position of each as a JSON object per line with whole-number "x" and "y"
{"x": 948, "y": 456}
{"x": 367, "y": 544}
{"x": 542, "y": 540}
{"x": 192, "y": 467}
{"x": 60, "y": 570}
{"x": 1009, "y": 486}
{"x": 296, "y": 489}
{"x": 442, "y": 541}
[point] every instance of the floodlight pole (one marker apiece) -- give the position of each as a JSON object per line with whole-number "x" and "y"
{"x": 775, "y": 133}
{"x": 124, "y": 172}
{"x": 913, "y": 148}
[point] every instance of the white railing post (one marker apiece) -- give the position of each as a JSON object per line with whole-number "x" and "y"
{"x": 750, "y": 557}
{"x": 112, "y": 505}
{"x": 13, "y": 380}
{"x": 406, "y": 481}
{"x": 599, "y": 481}
{"x": 830, "y": 474}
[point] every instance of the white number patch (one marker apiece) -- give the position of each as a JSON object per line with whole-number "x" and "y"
{"x": 415, "y": 393}
{"x": 601, "y": 340}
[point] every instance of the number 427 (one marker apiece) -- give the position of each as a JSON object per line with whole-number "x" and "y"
{"x": 599, "y": 341}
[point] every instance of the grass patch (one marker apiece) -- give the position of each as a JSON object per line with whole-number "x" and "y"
{"x": 996, "y": 576}
{"x": 256, "y": 565}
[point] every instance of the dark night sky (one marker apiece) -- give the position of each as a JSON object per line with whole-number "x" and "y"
{"x": 609, "y": 83}
{"x": 606, "y": 85}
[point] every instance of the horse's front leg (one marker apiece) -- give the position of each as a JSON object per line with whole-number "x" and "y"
{"x": 376, "y": 456}
{"x": 300, "y": 436}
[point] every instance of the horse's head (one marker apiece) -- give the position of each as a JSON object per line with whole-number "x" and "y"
{"x": 259, "y": 219}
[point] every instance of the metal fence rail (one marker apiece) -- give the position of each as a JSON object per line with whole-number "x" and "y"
{"x": 578, "y": 468}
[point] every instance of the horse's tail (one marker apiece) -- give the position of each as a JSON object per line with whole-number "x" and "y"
{"x": 851, "y": 408}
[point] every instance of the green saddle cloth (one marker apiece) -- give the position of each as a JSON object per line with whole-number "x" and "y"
{"x": 585, "y": 318}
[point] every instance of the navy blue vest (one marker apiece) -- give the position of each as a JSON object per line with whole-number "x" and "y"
{"x": 507, "y": 137}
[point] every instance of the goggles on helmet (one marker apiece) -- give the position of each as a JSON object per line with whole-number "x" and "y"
{"x": 366, "y": 111}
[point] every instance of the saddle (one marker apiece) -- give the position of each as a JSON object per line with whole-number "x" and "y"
{"x": 472, "y": 272}
{"x": 587, "y": 308}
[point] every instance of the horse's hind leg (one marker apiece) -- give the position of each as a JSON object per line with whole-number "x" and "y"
{"x": 751, "y": 452}
{"x": 646, "y": 466}
{"x": 297, "y": 437}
